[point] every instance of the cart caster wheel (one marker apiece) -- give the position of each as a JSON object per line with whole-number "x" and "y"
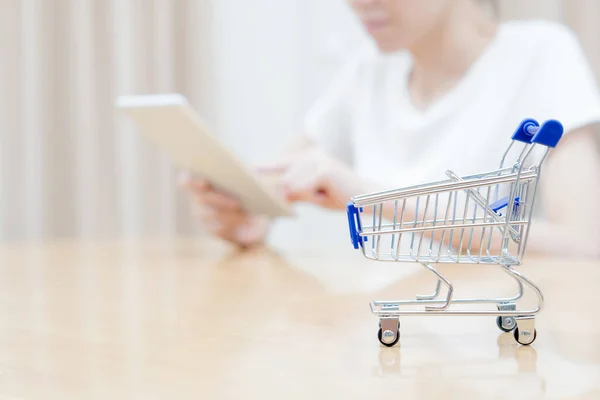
{"x": 506, "y": 324}
{"x": 528, "y": 342}
{"x": 386, "y": 338}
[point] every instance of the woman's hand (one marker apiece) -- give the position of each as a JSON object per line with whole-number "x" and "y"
{"x": 222, "y": 215}
{"x": 309, "y": 175}
{"x": 313, "y": 176}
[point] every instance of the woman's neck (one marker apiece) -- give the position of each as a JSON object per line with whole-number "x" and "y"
{"x": 443, "y": 56}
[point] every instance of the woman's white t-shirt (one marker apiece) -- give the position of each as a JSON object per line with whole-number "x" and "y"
{"x": 532, "y": 69}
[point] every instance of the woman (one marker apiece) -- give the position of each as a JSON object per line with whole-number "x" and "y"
{"x": 444, "y": 89}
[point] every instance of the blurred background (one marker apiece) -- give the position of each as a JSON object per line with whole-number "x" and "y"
{"x": 71, "y": 166}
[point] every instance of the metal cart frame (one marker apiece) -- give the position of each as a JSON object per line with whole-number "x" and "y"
{"x": 475, "y": 219}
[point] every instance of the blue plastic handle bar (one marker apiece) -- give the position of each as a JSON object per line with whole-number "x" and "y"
{"x": 530, "y": 131}
{"x": 549, "y": 133}
{"x": 526, "y": 130}
{"x": 503, "y": 202}
{"x": 354, "y": 225}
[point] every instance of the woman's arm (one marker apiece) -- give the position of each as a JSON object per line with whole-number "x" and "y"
{"x": 570, "y": 192}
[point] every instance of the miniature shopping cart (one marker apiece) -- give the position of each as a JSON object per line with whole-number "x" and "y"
{"x": 475, "y": 219}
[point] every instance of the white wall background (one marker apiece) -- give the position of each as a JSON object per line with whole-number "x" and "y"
{"x": 269, "y": 61}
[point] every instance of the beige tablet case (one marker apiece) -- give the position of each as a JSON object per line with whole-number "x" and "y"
{"x": 169, "y": 121}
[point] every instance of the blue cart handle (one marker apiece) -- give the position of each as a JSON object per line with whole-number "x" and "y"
{"x": 354, "y": 225}
{"x": 549, "y": 134}
{"x": 530, "y": 131}
{"x": 525, "y": 131}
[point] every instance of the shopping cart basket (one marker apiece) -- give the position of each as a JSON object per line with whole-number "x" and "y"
{"x": 476, "y": 219}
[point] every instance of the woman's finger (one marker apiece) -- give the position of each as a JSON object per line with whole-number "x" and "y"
{"x": 301, "y": 182}
{"x": 227, "y": 218}
{"x": 225, "y": 228}
{"x": 195, "y": 185}
{"x": 217, "y": 219}
{"x": 217, "y": 200}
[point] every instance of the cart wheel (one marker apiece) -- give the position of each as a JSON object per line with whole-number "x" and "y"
{"x": 516, "y": 333}
{"x": 380, "y": 337}
{"x": 506, "y": 324}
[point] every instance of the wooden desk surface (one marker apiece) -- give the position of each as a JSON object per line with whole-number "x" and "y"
{"x": 179, "y": 319}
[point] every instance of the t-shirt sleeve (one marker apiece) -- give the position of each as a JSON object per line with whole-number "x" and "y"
{"x": 562, "y": 84}
{"x": 329, "y": 120}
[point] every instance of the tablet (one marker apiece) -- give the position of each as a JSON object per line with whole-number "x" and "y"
{"x": 172, "y": 125}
